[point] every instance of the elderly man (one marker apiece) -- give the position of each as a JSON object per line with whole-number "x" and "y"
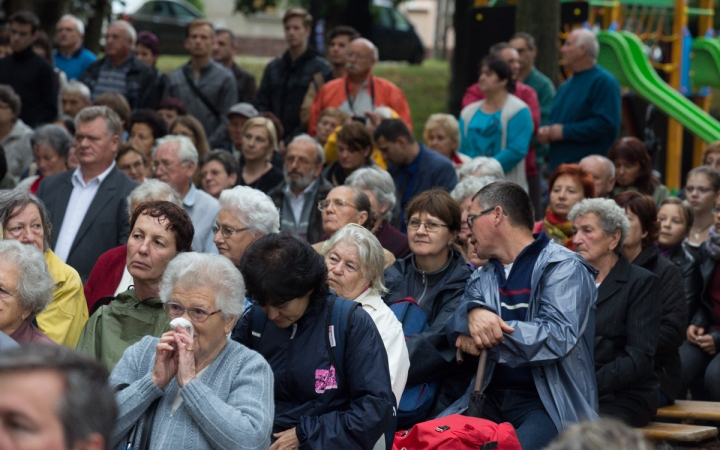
{"x": 174, "y": 162}
{"x": 603, "y": 172}
{"x": 298, "y": 196}
{"x": 360, "y": 92}
{"x": 30, "y": 75}
{"x": 121, "y": 71}
{"x": 532, "y": 307}
{"x": 71, "y": 57}
{"x": 59, "y": 398}
{"x": 74, "y": 96}
{"x": 87, "y": 206}
{"x": 223, "y": 52}
{"x": 208, "y": 89}
{"x": 585, "y": 115}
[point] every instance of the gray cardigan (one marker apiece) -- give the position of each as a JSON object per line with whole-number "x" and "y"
{"x": 230, "y": 407}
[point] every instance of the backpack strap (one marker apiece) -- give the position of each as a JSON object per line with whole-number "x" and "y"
{"x": 337, "y": 332}
{"x": 258, "y": 320}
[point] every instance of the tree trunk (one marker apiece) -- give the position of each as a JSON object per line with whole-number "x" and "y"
{"x": 541, "y": 18}
{"x": 459, "y": 81}
{"x": 93, "y": 30}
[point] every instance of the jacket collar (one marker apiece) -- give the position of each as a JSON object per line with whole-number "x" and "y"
{"x": 648, "y": 257}
{"x": 619, "y": 275}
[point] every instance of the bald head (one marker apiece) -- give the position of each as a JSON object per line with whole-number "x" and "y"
{"x": 603, "y": 173}
{"x": 361, "y": 58}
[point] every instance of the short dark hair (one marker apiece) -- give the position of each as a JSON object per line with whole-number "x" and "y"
{"x": 228, "y": 32}
{"x": 178, "y": 222}
{"x": 117, "y": 102}
{"x": 88, "y": 403}
{"x": 528, "y": 38}
{"x": 438, "y": 203}
{"x": 392, "y": 129}
{"x": 227, "y": 160}
{"x": 150, "y": 40}
{"x": 68, "y": 122}
{"x": 278, "y": 268}
{"x": 9, "y": 96}
{"x": 26, "y": 18}
{"x": 632, "y": 150}
{"x": 306, "y": 17}
{"x": 362, "y": 204}
{"x": 172, "y": 103}
{"x": 152, "y": 119}
{"x": 502, "y": 69}
{"x": 644, "y": 207}
{"x": 342, "y": 30}
{"x": 513, "y": 199}
{"x": 356, "y": 136}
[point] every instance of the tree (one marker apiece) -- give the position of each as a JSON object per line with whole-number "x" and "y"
{"x": 458, "y": 66}
{"x": 541, "y": 18}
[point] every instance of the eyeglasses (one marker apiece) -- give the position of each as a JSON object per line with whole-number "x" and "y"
{"x": 471, "y": 218}
{"x": 199, "y": 315}
{"x": 167, "y": 166}
{"x": 430, "y": 227}
{"x": 336, "y": 202}
{"x": 226, "y": 231}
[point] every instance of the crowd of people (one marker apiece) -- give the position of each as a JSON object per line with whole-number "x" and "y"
{"x": 229, "y": 260}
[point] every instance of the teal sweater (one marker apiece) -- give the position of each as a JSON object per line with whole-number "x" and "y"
{"x": 588, "y": 107}
{"x": 545, "y": 90}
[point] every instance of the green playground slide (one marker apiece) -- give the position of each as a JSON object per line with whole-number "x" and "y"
{"x": 705, "y": 63}
{"x": 622, "y": 54}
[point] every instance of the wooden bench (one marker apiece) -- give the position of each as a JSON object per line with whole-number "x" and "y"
{"x": 656, "y": 431}
{"x": 691, "y": 410}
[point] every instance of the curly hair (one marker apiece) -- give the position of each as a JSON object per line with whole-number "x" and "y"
{"x": 612, "y": 218}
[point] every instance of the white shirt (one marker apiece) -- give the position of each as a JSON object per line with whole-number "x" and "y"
{"x": 298, "y": 203}
{"x": 393, "y": 337}
{"x": 125, "y": 282}
{"x": 82, "y": 196}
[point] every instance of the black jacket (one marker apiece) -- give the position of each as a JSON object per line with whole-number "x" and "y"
{"x": 431, "y": 356}
{"x": 691, "y": 276}
{"x": 246, "y": 85}
{"x": 140, "y": 83}
{"x": 315, "y": 229}
{"x": 627, "y": 330}
{"x": 34, "y": 80}
{"x": 283, "y": 88}
{"x": 672, "y": 321}
{"x": 704, "y": 316}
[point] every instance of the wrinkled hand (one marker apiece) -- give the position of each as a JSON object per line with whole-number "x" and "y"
{"x": 556, "y": 132}
{"x": 543, "y": 135}
{"x": 185, "y": 357}
{"x": 286, "y": 440}
{"x": 693, "y": 334}
{"x": 166, "y": 362}
{"x": 707, "y": 344}
{"x": 487, "y": 328}
{"x": 467, "y": 345}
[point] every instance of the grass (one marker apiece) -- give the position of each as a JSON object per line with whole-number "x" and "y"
{"x": 425, "y": 86}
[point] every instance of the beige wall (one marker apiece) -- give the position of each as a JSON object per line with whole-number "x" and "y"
{"x": 423, "y": 15}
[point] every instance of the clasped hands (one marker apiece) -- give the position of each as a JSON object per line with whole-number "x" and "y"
{"x": 696, "y": 336}
{"x": 174, "y": 358}
{"x": 550, "y": 133}
{"x": 486, "y": 331}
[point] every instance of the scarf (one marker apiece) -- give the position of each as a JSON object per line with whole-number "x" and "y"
{"x": 667, "y": 250}
{"x": 712, "y": 244}
{"x": 558, "y": 230}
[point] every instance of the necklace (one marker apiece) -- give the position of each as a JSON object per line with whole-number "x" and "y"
{"x": 698, "y": 233}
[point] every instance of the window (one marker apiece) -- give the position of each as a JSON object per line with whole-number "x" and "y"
{"x": 401, "y": 22}
{"x": 382, "y": 16}
{"x": 156, "y": 9}
{"x": 182, "y": 12}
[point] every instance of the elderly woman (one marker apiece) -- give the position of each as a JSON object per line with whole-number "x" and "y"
{"x": 434, "y": 274}
{"x": 350, "y": 404}
{"x": 354, "y": 147}
{"x": 463, "y": 194}
{"x": 218, "y": 171}
{"x": 567, "y": 185}
{"x": 639, "y": 248}
{"x": 25, "y": 290}
{"x": 198, "y": 389}
{"x": 258, "y": 146}
{"x": 482, "y": 166}
{"x": 159, "y": 231}
{"x": 344, "y": 205}
{"x": 442, "y": 134}
{"x": 627, "y": 318}
{"x": 146, "y": 126}
{"x": 379, "y": 187}
{"x": 24, "y": 218}
{"x": 633, "y": 169}
{"x": 110, "y": 276}
{"x": 355, "y": 262}
{"x": 701, "y": 189}
{"x": 132, "y": 161}
{"x": 51, "y": 145}
{"x": 14, "y": 134}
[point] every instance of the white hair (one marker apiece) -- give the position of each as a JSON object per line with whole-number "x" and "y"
{"x": 371, "y": 253}
{"x": 609, "y": 165}
{"x": 79, "y": 25}
{"x": 76, "y": 87}
{"x": 369, "y": 44}
{"x": 252, "y": 207}
{"x": 610, "y": 216}
{"x": 192, "y": 270}
{"x": 482, "y": 166}
{"x": 129, "y": 31}
{"x": 589, "y": 40}
{"x": 377, "y": 181}
{"x": 469, "y": 186}
{"x": 153, "y": 190}
{"x": 304, "y": 137}
{"x": 186, "y": 150}
{"x": 35, "y": 284}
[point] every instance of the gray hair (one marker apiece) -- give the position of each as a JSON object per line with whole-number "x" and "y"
{"x": 482, "y": 166}
{"x": 13, "y": 202}
{"x": 589, "y": 40}
{"x": 609, "y": 165}
{"x": 372, "y": 255}
{"x": 186, "y": 150}
{"x": 54, "y": 137}
{"x": 79, "y": 25}
{"x": 206, "y": 270}
{"x": 599, "y": 435}
{"x": 113, "y": 124}
{"x": 129, "y": 31}
{"x": 380, "y": 183}
{"x": 153, "y": 190}
{"x": 304, "y": 137}
{"x": 612, "y": 218}
{"x": 253, "y": 208}
{"x": 35, "y": 284}
{"x": 76, "y": 87}
{"x": 468, "y": 187}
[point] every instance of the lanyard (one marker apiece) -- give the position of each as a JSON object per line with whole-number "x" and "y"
{"x": 372, "y": 95}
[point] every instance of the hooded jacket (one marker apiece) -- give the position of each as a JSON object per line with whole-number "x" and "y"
{"x": 555, "y": 340}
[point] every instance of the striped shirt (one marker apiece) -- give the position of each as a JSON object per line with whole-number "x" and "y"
{"x": 112, "y": 78}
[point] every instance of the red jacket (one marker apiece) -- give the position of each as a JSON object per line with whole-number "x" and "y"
{"x": 333, "y": 94}
{"x": 105, "y": 275}
{"x": 529, "y": 96}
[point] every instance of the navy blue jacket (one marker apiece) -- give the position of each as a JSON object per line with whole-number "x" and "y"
{"x": 352, "y": 416}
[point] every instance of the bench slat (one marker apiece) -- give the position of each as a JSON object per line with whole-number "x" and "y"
{"x": 687, "y": 409}
{"x": 677, "y": 432}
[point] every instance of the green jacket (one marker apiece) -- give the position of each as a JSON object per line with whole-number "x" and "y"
{"x": 116, "y": 326}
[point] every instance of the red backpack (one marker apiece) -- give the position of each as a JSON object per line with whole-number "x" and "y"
{"x": 458, "y": 432}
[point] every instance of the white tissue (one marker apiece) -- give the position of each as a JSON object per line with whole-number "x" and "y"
{"x": 183, "y": 323}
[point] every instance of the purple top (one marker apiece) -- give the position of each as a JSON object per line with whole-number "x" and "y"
{"x": 28, "y": 333}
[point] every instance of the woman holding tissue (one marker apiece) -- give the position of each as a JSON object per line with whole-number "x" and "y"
{"x": 193, "y": 388}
